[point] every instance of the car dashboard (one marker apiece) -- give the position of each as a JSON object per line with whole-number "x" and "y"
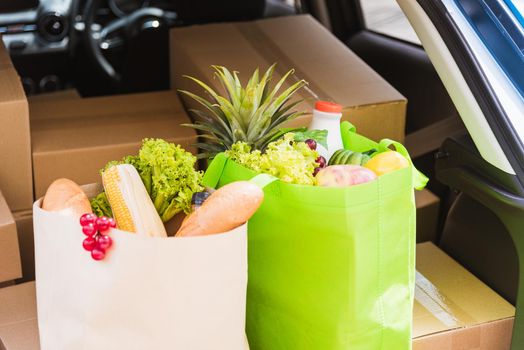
{"x": 36, "y": 27}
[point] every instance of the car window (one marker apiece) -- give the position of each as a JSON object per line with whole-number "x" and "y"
{"x": 386, "y": 17}
{"x": 517, "y": 7}
{"x": 495, "y": 40}
{"x": 502, "y": 33}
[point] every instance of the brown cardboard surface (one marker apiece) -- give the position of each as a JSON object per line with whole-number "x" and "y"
{"x": 15, "y": 172}
{"x": 332, "y": 70}
{"x": 428, "y": 206}
{"x": 6, "y": 284}
{"x": 455, "y": 310}
{"x": 56, "y": 95}
{"x": 495, "y": 335}
{"x": 430, "y": 138}
{"x": 10, "y": 266}
{"x": 105, "y": 106}
{"x": 24, "y": 227}
{"x": 75, "y": 138}
{"x": 18, "y": 323}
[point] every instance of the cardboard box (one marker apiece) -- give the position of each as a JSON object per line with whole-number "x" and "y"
{"x": 75, "y": 138}
{"x": 430, "y": 138}
{"x": 332, "y": 70}
{"x": 15, "y": 143}
{"x": 428, "y": 208}
{"x": 24, "y": 227}
{"x": 56, "y": 95}
{"x": 455, "y": 310}
{"x": 10, "y": 266}
{"x": 18, "y": 322}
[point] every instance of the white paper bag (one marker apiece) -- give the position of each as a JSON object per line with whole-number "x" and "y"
{"x": 147, "y": 294}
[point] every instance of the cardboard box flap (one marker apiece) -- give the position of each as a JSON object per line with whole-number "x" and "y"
{"x": 55, "y": 125}
{"x": 24, "y": 228}
{"x": 6, "y": 218}
{"x": 203, "y": 46}
{"x": 460, "y": 300}
{"x": 265, "y": 42}
{"x": 55, "y": 135}
{"x": 54, "y": 96}
{"x": 139, "y": 104}
{"x": 294, "y": 35}
{"x": 10, "y": 263}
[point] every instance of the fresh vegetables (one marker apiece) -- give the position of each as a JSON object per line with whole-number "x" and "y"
{"x": 287, "y": 159}
{"x": 161, "y": 180}
{"x": 228, "y": 207}
{"x": 311, "y": 137}
{"x": 344, "y": 175}
{"x": 387, "y": 162}
{"x": 246, "y": 125}
{"x": 100, "y": 205}
{"x": 66, "y": 197}
{"x": 252, "y": 114}
{"x": 344, "y": 156}
{"x": 131, "y": 205}
{"x": 169, "y": 176}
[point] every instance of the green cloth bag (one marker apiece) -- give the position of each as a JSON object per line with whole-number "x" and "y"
{"x": 330, "y": 268}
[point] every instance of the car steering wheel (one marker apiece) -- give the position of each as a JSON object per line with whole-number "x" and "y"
{"x": 116, "y": 33}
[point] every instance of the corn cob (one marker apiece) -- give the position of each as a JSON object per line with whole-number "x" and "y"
{"x": 132, "y": 207}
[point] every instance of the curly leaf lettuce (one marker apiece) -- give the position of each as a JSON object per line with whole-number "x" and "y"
{"x": 290, "y": 161}
{"x": 100, "y": 205}
{"x": 169, "y": 176}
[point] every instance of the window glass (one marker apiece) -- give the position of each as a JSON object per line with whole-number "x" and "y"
{"x": 502, "y": 33}
{"x": 517, "y": 6}
{"x": 386, "y": 17}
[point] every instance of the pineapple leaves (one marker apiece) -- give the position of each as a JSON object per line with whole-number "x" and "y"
{"x": 218, "y": 122}
{"x": 210, "y": 107}
{"x": 209, "y": 129}
{"x": 252, "y": 113}
{"x": 229, "y": 84}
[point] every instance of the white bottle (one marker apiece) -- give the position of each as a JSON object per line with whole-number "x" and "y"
{"x": 326, "y": 116}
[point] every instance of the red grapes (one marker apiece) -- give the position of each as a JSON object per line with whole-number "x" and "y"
{"x": 96, "y": 229}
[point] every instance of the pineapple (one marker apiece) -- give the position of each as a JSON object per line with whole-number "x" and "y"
{"x": 253, "y": 114}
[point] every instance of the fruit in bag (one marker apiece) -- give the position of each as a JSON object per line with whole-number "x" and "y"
{"x": 344, "y": 156}
{"x": 387, "y": 162}
{"x": 344, "y": 175}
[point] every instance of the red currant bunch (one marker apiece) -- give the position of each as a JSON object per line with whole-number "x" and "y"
{"x": 96, "y": 229}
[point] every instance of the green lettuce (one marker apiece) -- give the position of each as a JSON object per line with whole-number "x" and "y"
{"x": 100, "y": 205}
{"x": 287, "y": 159}
{"x": 169, "y": 176}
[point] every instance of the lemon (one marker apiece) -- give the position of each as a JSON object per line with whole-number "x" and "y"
{"x": 386, "y": 162}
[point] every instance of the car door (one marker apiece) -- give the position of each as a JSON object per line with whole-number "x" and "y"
{"x": 477, "y": 48}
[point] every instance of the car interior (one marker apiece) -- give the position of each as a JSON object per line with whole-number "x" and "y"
{"x": 110, "y": 47}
